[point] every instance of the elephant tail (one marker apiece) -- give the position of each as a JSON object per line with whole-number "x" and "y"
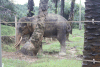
{"x": 69, "y": 28}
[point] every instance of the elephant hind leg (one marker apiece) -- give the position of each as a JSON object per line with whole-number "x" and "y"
{"x": 62, "y": 39}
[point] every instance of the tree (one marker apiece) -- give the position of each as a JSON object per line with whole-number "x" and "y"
{"x": 7, "y": 10}
{"x": 62, "y": 7}
{"x": 21, "y": 10}
{"x": 37, "y": 36}
{"x": 71, "y": 15}
{"x": 30, "y": 8}
{"x": 92, "y": 34}
{"x": 56, "y": 5}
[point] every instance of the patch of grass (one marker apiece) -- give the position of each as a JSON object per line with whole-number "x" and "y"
{"x": 58, "y": 63}
{"x": 79, "y": 50}
{"x": 75, "y": 44}
{"x": 45, "y": 62}
{"x": 76, "y": 41}
{"x": 53, "y": 47}
{"x": 14, "y": 63}
{"x": 76, "y": 35}
{"x": 8, "y": 48}
{"x": 7, "y": 30}
{"x": 77, "y": 32}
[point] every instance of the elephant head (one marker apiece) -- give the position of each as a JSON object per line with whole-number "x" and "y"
{"x": 23, "y": 29}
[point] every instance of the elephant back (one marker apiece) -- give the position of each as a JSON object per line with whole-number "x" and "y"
{"x": 59, "y": 21}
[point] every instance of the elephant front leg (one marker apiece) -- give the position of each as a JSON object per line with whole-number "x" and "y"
{"x": 62, "y": 48}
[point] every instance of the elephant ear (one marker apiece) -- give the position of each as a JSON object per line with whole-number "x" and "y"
{"x": 29, "y": 25}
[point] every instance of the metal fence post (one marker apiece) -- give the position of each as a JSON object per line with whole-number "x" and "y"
{"x": 15, "y": 27}
{"x": 80, "y": 27}
{"x": 0, "y": 47}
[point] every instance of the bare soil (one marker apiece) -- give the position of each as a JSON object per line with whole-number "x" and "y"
{"x": 14, "y": 55}
{"x": 30, "y": 59}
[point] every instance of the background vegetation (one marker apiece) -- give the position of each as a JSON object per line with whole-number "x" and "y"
{"x": 9, "y": 10}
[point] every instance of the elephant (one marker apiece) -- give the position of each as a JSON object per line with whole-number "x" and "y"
{"x": 55, "y": 26}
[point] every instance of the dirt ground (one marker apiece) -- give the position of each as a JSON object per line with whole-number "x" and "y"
{"x": 30, "y": 59}
{"x": 15, "y": 55}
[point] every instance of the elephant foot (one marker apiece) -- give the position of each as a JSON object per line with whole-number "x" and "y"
{"x": 62, "y": 54}
{"x": 39, "y": 55}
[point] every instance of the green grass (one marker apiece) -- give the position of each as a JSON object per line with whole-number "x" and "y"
{"x": 53, "y": 47}
{"x": 76, "y": 41}
{"x": 45, "y": 62}
{"x": 7, "y": 30}
{"x": 77, "y": 35}
{"x": 8, "y": 48}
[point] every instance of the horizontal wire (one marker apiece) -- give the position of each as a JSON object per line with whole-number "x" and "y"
{"x": 51, "y": 22}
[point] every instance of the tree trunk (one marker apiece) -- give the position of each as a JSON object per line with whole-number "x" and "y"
{"x": 56, "y": 6}
{"x": 92, "y": 34}
{"x": 37, "y": 36}
{"x": 71, "y": 15}
{"x": 30, "y": 8}
{"x": 33, "y": 46}
{"x": 71, "y": 11}
{"x": 62, "y": 8}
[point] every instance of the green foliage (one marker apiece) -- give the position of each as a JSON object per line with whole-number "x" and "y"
{"x": 7, "y": 10}
{"x": 7, "y": 30}
{"x": 21, "y": 10}
{"x": 51, "y": 6}
{"x": 36, "y": 10}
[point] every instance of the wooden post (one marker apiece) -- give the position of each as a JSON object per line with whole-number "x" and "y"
{"x": 80, "y": 26}
{"x": 0, "y": 47}
{"x": 15, "y": 27}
